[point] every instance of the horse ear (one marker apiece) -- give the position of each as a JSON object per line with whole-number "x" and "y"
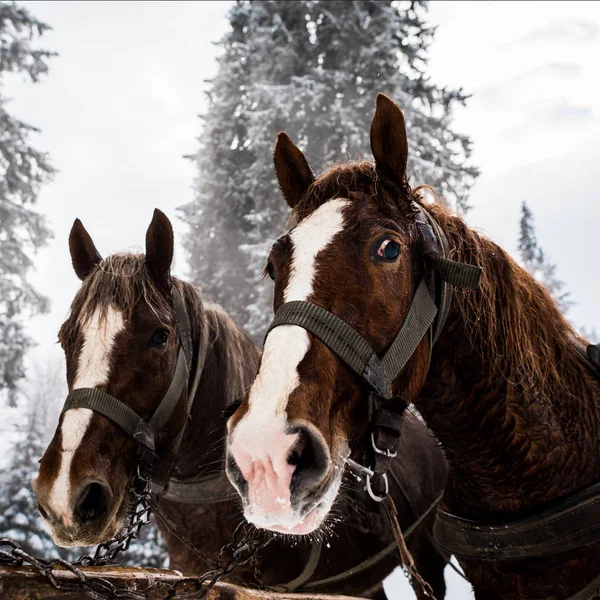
{"x": 84, "y": 255}
{"x": 388, "y": 140}
{"x": 159, "y": 247}
{"x": 293, "y": 173}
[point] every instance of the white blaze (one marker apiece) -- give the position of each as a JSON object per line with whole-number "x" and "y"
{"x": 287, "y": 345}
{"x": 93, "y": 369}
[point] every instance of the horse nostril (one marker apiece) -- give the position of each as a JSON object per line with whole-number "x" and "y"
{"x": 92, "y": 503}
{"x": 297, "y": 451}
{"x": 310, "y": 457}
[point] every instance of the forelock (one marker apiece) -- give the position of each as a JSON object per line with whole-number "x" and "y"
{"x": 120, "y": 281}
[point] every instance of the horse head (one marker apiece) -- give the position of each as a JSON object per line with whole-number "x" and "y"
{"x": 120, "y": 338}
{"x": 353, "y": 250}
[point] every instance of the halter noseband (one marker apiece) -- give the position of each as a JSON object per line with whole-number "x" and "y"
{"x": 427, "y": 314}
{"x": 145, "y": 433}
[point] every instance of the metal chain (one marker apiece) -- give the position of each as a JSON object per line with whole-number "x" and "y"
{"x": 240, "y": 552}
{"x": 232, "y": 556}
{"x": 107, "y": 552}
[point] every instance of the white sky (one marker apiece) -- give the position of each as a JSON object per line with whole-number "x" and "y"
{"x": 119, "y": 110}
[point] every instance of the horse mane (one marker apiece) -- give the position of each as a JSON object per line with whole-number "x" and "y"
{"x": 234, "y": 350}
{"x": 512, "y": 320}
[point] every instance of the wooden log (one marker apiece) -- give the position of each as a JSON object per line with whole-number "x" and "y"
{"x": 25, "y": 583}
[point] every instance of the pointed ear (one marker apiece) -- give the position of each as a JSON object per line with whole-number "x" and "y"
{"x": 159, "y": 247}
{"x": 84, "y": 255}
{"x": 388, "y": 140}
{"x": 293, "y": 173}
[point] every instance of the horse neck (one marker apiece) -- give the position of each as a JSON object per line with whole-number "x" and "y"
{"x": 513, "y": 406}
{"x": 230, "y": 364}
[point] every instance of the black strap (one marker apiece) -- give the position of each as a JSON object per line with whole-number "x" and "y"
{"x": 339, "y": 337}
{"x": 569, "y": 524}
{"x": 420, "y": 316}
{"x": 108, "y": 406}
{"x": 173, "y": 394}
{"x": 460, "y": 275}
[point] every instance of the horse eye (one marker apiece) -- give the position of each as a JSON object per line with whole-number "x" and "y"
{"x": 271, "y": 270}
{"x": 389, "y": 250}
{"x": 159, "y": 338}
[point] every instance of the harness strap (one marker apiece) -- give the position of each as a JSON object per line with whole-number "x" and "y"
{"x": 569, "y": 524}
{"x": 173, "y": 394}
{"x": 339, "y": 337}
{"x": 419, "y": 319}
{"x": 460, "y": 275}
{"x": 308, "y": 571}
{"x": 115, "y": 410}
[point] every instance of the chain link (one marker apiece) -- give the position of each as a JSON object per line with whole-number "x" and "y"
{"x": 232, "y": 556}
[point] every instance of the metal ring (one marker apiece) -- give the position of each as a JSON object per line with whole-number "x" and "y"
{"x": 387, "y": 452}
{"x": 370, "y": 489}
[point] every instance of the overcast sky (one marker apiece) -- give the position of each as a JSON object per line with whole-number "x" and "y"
{"x": 119, "y": 110}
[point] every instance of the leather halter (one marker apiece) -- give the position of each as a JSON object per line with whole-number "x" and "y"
{"x": 145, "y": 433}
{"x": 426, "y": 315}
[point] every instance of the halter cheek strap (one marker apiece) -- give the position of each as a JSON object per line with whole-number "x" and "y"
{"x": 145, "y": 433}
{"x": 427, "y": 314}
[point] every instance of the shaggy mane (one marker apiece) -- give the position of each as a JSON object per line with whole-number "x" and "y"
{"x": 529, "y": 347}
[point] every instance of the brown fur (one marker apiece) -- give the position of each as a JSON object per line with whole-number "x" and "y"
{"x": 516, "y": 411}
{"x": 139, "y": 377}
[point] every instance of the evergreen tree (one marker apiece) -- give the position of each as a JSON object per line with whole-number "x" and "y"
{"x": 536, "y": 262}
{"x": 23, "y": 169}
{"x": 311, "y": 68}
{"x": 19, "y": 518}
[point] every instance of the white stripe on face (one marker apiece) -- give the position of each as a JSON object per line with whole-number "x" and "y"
{"x": 93, "y": 369}
{"x": 287, "y": 345}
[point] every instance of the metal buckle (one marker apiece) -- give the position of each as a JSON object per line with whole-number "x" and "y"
{"x": 369, "y": 475}
{"x": 387, "y": 452}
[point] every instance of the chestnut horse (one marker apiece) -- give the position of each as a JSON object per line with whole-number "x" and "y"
{"x": 516, "y": 409}
{"x": 121, "y": 338}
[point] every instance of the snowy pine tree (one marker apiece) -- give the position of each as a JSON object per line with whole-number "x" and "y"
{"x": 536, "y": 262}
{"x": 19, "y": 518}
{"x": 23, "y": 169}
{"x": 313, "y": 69}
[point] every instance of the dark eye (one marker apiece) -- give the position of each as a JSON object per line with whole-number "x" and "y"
{"x": 159, "y": 338}
{"x": 271, "y": 270}
{"x": 389, "y": 250}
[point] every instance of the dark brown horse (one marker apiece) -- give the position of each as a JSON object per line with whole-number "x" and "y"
{"x": 120, "y": 337}
{"x": 514, "y": 407}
